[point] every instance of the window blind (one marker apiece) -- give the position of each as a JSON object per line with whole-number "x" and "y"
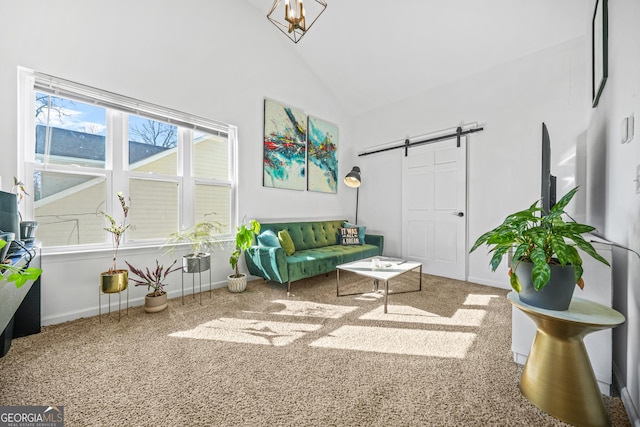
{"x": 89, "y": 95}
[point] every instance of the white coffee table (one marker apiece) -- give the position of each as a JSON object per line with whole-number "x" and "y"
{"x": 391, "y": 267}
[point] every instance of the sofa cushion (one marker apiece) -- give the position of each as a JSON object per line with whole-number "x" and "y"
{"x": 311, "y": 262}
{"x": 309, "y": 235}
{"x": 349, "y": 236}
{"x": 362, "y": 230}
{"x": 285, "y": 241}
{"x": 268, "y": 238}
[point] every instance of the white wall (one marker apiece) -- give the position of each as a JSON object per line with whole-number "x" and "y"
{"x": 226, "y": 60}
{"x": 511, "y": 102}
{"x": 613, "y": 201}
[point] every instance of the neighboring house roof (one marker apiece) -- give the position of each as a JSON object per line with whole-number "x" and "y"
{"x": 81, "y": 145}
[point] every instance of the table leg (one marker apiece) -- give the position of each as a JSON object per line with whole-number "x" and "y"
{"x": 386, "y": 294}
{"x": 558, "y": 377}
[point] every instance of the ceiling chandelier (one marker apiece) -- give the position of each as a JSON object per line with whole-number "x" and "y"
{"x": 293, "y": 18}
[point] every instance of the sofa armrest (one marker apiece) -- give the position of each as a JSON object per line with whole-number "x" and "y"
{"x": 375, "y": 239}
{"x": 269, "y": 263}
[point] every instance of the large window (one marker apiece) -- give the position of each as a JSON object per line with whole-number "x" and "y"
{"x": 82, "y": 146}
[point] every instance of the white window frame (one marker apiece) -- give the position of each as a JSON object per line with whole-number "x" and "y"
{"x": 116, "y": 171}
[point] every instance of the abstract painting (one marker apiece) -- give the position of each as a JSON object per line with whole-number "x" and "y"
{"x": 323, "y": 156}
{"x": 285, "y": 147}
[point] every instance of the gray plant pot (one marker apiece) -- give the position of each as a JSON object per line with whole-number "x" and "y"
{"x": 28, "y": 230}
{"x": 196, "y": 263}
{"x": 558, "y": 292}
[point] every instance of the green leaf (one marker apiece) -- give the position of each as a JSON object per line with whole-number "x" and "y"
{"x": 520, "y": 251}
{"x": 497, "y": 256}
{"x": 564, "y": 201}
{"x": 573, "y": 257}
{"x": 560, "y": 249}
{"x": 515, "y": 282}
{"x": 586, "y": 247}
{"x": 541, "y": 271}
{"x": 18, "y": 278}
{"x": 577, "y": 272}
{"x": 32, "y": 273}
{"x": 575, "y": 228}
{"x": 481, "y": 240}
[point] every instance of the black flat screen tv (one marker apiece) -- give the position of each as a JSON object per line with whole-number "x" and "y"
{"x": 548, "y": 181}
{"x": 9, "y": 216}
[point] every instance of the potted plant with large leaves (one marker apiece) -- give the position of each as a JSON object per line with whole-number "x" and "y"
{"x": 203, "y": 238}
{"x": 155, "y": 279}
{"x": 115, "y": 280}
{"x": 546, "y": 263}
{"x": 237, "y": 282}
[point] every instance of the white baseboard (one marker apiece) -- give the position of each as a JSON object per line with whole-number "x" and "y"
{"x": 492, "y": 283}
{"x": 632, "y": 411}
{"x": 133, "y": 302}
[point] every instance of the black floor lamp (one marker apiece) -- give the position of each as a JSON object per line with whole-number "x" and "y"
{"x": 353, "y": 180}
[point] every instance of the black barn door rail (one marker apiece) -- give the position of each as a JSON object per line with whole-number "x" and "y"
{"x": 407, "y": 143}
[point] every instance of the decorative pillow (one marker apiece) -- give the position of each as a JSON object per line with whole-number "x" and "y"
{"x": 285, "y": 241}
{"x": 349, "y": 236}
{"x": 362, "y": 230}
{"x": 268, "y": 238}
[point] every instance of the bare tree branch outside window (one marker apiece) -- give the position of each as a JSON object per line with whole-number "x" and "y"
{"x": 154, "y": 133}
{"x": 46, "y": 105}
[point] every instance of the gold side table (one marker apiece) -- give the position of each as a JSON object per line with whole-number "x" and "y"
{"x": 558, "y": 377}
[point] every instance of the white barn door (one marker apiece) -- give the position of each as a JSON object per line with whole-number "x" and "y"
{"x": 434, "y": 194}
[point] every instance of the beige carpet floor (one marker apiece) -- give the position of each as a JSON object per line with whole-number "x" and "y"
{"x": 440, "y": 357}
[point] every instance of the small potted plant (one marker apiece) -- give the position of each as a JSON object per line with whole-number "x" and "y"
{"x": 155, "y": 300}
{"x": 27, "y": 228}
{"x": 237, "y": 282}
{"x": 546, "y": 263}
{"x": 114, "y": 280}
{"x": 203, "y": 238}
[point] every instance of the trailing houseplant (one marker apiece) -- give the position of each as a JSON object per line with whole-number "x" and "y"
{"x": 155, "y": 280}
{"x": 541, "y": 244}
{"x": 114, "y": 280}
{"x": 17, "y": 274}
{"x": 237, "y": 282}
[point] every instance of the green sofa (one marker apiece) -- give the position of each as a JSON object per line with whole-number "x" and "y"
{"x": 317, "y": 251}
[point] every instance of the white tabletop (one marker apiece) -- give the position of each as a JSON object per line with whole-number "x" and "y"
{"x": 580, "y": 311}
{"x": 392, "y": 267}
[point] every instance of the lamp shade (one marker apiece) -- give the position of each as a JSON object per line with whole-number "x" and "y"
{"x": 353, "y": 178}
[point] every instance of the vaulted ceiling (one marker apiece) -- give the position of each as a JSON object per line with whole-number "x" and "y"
{"x": 371, "y": 53}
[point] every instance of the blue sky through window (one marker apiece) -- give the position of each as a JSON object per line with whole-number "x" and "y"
{"x": 71, "y": 115}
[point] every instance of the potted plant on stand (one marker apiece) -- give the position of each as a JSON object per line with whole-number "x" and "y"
{"x": 546, "y": 263}
{"x": 202, "y": 238}
{"x": 237, "y": 282}
{"x": 115, "y": 280}
{"x": 153, "y": 279}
